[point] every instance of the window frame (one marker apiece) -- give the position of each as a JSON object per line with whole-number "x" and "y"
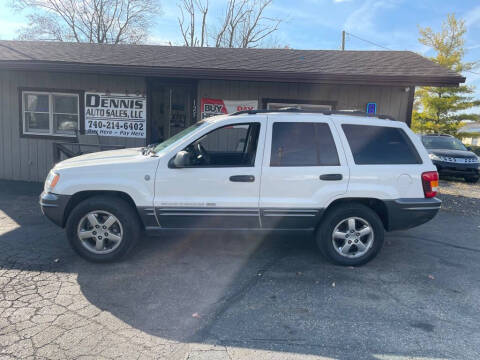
{"x": 221, "y": 127}
{"x": 317, "y": 145}
{"x": 51, "y": 93}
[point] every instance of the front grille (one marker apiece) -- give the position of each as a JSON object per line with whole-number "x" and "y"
{"x": 466, "y": 160}
{"x": 452, "y": 159}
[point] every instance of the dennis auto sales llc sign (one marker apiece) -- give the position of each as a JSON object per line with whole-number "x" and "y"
{"x": 115, "y": 114}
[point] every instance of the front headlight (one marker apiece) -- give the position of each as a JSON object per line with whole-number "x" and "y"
{"x": 51, "y": 181}
{"x": 434, "y": 157}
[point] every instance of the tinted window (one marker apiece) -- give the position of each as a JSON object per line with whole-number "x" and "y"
{"x": 302, "y": 144}
{"x": 372, "y": 145}
{"x": 226, "y": 139}
{"x": 232, "y": 145}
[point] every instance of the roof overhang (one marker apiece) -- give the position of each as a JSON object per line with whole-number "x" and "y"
{"x": 231, "y": 74}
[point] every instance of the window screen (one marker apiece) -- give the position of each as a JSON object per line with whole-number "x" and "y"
{"x": 376, "y": 145}
{"x": 65, "y": 114}
{"x": 302, "y": 144}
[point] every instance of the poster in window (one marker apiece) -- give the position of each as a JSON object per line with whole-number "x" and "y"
{"x": 123, "y": 115}
{"x": 212, "y": 107}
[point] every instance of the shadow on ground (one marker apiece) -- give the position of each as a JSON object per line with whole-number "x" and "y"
{"x": 272, "y": 291}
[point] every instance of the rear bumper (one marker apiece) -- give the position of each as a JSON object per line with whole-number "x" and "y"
{"x": 53, "y": 207}
{"x": 454, "y": 169}
{"x": 407, "y": 213}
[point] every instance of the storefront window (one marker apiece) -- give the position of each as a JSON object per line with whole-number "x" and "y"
{"x": 50, "y": 113}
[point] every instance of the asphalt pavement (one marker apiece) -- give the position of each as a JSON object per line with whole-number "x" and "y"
{"x": 235, "y": 295}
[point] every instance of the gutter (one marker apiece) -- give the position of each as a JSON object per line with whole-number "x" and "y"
{"x": 231, "y": 74}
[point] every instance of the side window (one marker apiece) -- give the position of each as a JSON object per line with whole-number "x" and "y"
{"x": 377, "y": 145}
{"x": 231, "y": 145}
{"x": 47, "y": 113}
{"x": 226, "y": 139}
{"x": 302, "y": 144}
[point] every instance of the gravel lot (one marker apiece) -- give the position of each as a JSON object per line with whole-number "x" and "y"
{"x": 460, "y": 196}
{"x": 240, "y": 296}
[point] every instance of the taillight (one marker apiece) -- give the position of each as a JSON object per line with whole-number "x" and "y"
{"x": 430, "y": 183}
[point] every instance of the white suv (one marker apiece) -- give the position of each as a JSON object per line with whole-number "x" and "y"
{"x": 346, "y": 177}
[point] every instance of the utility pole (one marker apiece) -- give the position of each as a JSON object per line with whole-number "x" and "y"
{"x": 343, "y": 40}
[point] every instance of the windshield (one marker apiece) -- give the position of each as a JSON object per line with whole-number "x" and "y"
{"x": 443, "y": 142}
{"x": 174, "y": 138}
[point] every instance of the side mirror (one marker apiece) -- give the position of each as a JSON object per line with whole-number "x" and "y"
{"x": 469, "y": 148}
{"x": 180, "y": 160}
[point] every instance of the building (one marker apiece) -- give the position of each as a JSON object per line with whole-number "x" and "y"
{"x": 133, "y": 95}
{"x": 470, "y": 133}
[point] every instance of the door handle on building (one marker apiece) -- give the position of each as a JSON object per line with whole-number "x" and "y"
{"x": 331, "y": 177}
{"x": 242, "y": 178}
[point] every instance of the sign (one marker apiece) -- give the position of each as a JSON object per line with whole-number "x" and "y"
{"x": 371, "y": 108}
{"x": 121, "y": 115}
{"x": 212, "y": 107}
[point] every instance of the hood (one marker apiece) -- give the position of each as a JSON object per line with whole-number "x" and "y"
{"x": 453, "y": 153}
{"x": 101, "y": 158}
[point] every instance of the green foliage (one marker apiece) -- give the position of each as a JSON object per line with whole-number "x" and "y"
{"x": 442, "y": 109}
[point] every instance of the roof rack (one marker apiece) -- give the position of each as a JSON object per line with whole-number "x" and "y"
{"x": 324, "y": 112}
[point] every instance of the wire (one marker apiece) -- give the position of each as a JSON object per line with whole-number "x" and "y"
{"x": 368, "y": 41}
{"x": 386, "y": 48}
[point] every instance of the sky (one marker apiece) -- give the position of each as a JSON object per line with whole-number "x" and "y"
{"x": 317, "y": 24}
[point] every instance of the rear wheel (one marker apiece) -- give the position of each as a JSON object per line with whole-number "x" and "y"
{"x": 472, "y": 179}
{"x": 350, "y": 234}
{"x": 103, "y": 228}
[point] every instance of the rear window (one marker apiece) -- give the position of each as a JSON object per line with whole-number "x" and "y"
{"x": 302, "y": 144}
{"x": 380, "y": 145}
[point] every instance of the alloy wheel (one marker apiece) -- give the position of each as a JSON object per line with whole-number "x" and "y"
{"x": 100, "y": 232}
{"x": 353, "y": 237}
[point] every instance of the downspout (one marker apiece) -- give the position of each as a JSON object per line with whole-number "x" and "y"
{"x": 411, "y": 98}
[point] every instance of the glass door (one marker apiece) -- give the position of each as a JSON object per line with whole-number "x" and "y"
{"x": 172, "y": 109}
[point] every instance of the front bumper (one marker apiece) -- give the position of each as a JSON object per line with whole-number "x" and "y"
{"x": 454, "y": 169}
{"x": 407, "y": 213}
{"x": 53, "y": 207}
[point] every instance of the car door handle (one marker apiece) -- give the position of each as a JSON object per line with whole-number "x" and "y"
{"x": 331, "y": 177}
{"x": 242, "y": 178}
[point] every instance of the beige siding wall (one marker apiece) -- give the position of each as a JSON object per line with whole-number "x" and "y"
{"x": 30, "y": 158}
{"x": 392, "y": 101}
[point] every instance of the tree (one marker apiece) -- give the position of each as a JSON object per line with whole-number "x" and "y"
{"x": 442, "y": 109}
{"x": 93, "y": 21}
{"x": 190, "y": 8}
{"x": 243, "y": 24}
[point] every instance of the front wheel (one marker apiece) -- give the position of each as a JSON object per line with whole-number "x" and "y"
{"x": 350, "y": 234}
{"x": 103, "y": 229}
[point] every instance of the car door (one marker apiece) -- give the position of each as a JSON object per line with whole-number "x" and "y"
{"x": 303, "y": 169}
{"x": 220, "y": 193}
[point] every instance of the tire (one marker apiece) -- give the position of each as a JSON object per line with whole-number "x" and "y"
{"x": 336, "y": 220}
{"x": 471, "y": 179}
{"x": 126, "y": 228}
